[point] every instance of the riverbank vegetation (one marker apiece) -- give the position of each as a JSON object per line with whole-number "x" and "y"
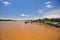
{"x": 53, "y": 21}
{"x": 7, "y": 20}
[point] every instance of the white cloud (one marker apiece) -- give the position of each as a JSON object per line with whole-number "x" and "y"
{"x": 6, "y": 3}
{"x": 35, "y": 18}
{"x": 40, "y": 11}
{"x": 52, "y": 14}
{"x": 48, "y": 2}
{"x": 49, "y": 6}
{"x": 24, "y": 15}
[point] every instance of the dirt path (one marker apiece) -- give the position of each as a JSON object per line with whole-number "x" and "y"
{"x": 30, "y": 31}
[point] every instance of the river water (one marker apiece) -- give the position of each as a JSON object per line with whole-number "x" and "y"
{"x": 18, "y": 30}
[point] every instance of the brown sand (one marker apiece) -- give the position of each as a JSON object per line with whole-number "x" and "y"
{"x": 15, "y": 30}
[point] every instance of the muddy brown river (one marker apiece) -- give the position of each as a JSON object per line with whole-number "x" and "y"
{"x": 18, "y": 30}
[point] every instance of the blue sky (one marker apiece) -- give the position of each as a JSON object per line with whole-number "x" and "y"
{"x": 29, "y": 9}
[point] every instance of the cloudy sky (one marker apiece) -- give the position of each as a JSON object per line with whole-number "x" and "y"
{"x": 29, "y": 9}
